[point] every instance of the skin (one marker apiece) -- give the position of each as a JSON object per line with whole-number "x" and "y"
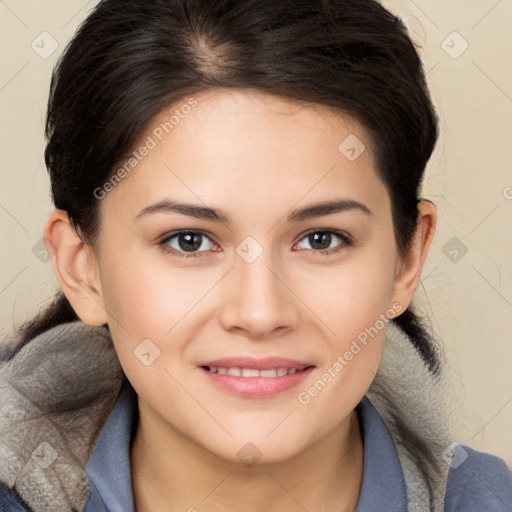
{"x": 255, "y": 157}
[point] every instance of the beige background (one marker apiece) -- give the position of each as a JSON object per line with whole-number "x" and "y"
{"x": 467, "y": 296}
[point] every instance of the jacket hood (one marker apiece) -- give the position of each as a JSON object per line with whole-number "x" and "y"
{"x": 58, "y": 390}
{"x": 55, "y": 395}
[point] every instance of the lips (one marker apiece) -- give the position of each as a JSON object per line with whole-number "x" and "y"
{"x": 267, "y": 363}
{"x": 250, "y": 377}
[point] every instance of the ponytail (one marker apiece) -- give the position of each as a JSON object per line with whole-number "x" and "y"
{"x": 58, "y": 312}
{"x": 409, "y": 323}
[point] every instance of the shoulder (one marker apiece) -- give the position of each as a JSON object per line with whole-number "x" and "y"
{"x": 478, "y": 481}
{"x": 10, "y": 500}
{"x": 69, "y": 373}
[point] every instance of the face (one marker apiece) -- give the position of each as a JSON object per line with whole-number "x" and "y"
{"x": 241, "y": 310}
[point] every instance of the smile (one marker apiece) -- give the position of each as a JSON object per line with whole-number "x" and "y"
{"x": 253, "y": 372}
{"x": 255, "y": 378}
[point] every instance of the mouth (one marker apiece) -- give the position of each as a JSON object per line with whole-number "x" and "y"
{"x": 252, "y": 378}
{"x": 254, "y": 372}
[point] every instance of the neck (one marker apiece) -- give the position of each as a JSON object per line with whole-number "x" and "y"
{"x": 170, "y": 472}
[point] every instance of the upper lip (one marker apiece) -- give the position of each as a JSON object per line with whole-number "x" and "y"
{"x": 266, "y": 363}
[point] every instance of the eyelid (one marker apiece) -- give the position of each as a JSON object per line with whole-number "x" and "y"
{"x": 163, "y": 241}
{"x": 171, "y": 234}
{"x": 342, "y": 234}
{"x": 345, "y": 238}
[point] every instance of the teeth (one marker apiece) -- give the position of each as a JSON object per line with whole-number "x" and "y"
{"x": 252, "y": 372}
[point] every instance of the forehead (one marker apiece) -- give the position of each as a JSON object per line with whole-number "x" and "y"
{"x": 236, "y": 114}
{"x": 224, "y": 144}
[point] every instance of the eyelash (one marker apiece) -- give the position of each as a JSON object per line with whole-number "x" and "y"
{"x": 345, "y": 239}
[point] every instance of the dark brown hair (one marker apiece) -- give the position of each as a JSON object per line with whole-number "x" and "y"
{"x": 129, "y": 60}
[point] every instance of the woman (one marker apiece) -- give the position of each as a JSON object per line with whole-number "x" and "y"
{"x": 238, "y": 236}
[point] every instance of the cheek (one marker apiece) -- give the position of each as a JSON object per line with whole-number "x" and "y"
{"x": 350, "y": 296}
{"x": 148, "y": 299}
{"x": 354, "y": 350}
{"x": 147, "y": 294}
{"x": 353, "y": 302}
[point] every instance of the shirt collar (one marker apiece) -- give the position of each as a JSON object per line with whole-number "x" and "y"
{"x": 108, "y": 468}
{"x": 109, "y": 476}
{"x": 383, "y": 480}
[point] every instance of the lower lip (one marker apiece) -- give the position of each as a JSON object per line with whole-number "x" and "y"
{"x": 257, "y": 386}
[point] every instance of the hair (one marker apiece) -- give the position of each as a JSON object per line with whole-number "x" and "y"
{"x": 129, "y": 60}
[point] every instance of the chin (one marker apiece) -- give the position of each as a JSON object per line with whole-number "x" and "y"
{"x": 255, "y": 450}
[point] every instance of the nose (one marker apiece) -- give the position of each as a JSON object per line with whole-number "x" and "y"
{"x": 258, "y": 303}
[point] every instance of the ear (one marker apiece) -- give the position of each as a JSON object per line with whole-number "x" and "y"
{"x": 75, "y": 267}
{"x": 409, "y": 267}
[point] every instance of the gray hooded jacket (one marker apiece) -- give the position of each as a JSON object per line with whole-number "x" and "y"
{"x": 58, "y": 390}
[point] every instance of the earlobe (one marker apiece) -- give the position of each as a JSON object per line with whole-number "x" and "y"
{"x": 410, "y": 267}
{"x": 75, "y": 267}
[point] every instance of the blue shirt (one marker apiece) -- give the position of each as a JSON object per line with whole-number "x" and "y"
{"x": 481, "y": 484}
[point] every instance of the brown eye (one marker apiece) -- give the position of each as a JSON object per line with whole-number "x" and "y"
{"x": 183, "y": 242}
{"x": 325, "y": 241}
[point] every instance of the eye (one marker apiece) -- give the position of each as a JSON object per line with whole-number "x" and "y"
{"x": 321, "y": 241}
{"x": 187, "y": 243}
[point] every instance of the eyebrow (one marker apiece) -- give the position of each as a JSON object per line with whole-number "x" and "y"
{"x": 205, "y": 212}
